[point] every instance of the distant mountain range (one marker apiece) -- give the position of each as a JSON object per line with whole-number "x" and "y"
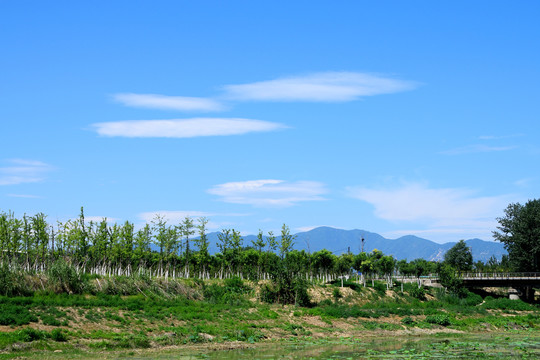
{"x": 406, "y": 247}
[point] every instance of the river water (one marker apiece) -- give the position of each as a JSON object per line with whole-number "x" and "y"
{"x": 479, "y": 346}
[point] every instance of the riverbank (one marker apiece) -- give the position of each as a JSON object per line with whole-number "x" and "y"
{"x": 221, "y": 315}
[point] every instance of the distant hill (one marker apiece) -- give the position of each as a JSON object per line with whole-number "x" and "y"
{"x": 406, "y": 247}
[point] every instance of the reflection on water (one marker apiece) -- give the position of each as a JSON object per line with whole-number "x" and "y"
{"x": 426, "y": 347}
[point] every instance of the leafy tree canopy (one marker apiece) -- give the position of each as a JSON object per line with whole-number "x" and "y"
{"x": 459, "y": 256}
{"x": 519, "y": 231}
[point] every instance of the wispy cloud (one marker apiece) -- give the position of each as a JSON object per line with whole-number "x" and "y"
{"x": 25, "y": 196}
{"x": 498, "y": 137}
{"x": 477, "y": 148}
{"x": 269, "y": 193}
{"x": 20, "y": 171}
{"x": 323, "y": 87}
{"x": 98, "y": 219}
{"x": 309, "y": 228}
{"x": 177, "y": 216}
{"x": 525, "y": 182}
{"x": 453, "y": 210}
{"x": 184, "y": 128}
{"x": 414, "y": 201}
{"x": 181, "y": 103}
{"x": 172, "y": 216}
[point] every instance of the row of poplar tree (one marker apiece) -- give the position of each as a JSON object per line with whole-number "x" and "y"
{"x": 180, "y": 250}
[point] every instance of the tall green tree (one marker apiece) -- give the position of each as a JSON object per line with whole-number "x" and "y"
{"x": 287, "y": 241}
{"x": 459, "y": 256}
{"x": 519, "y": 231}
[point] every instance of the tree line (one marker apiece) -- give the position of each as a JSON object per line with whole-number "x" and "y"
{"x": 182, "y": 250}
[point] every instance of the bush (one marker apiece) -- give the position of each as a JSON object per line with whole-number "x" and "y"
{"x": 407, "y": 321}
{"x": 418, "y": 293}
{"x": 507, "y": 304}
{"x": 286, "y": 291}
{"x": 440, "y": 319}
{"x": 472, "y": 299}
{"x": 14, "y": 314}
{"x": 230, "y": 293}
{"x": 380, "y": 287}
{"x": 29, "y": 334}
{"x": 10, "y": 282}
{"x": 64, "y": 278}
{"x": 58, "y": 335}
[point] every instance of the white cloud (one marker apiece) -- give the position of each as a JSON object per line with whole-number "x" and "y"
{"x": 264, "y": 193}
{"x": 182, "y": 103}
{"x": 412, "y": 202}
{"x": 495, "y": 137}
{"x": 325, "y": 87}
{"x": 22, "y": 171}
{"x": 309, "y": 228}
{"x": 446, "y": 210}
{"x": 526, "y": 182}
{"x": 184, "y": 128}
{"x": 174, "y": 217}
{"x": 25, "y": 196}
{"x": 98, "y": 219}
{"x": 177, "y": 216}
{"x": 477, "y": 149}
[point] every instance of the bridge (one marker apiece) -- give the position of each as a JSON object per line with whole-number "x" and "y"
{"x": 509, "y": 279}
{"x": 520, "y": 284}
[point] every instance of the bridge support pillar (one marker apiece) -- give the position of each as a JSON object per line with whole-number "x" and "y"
{"x": 525, "y": 293}
{"x": 513, "y": 294}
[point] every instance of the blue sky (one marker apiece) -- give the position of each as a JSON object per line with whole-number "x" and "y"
{"x": 395, "y": 117}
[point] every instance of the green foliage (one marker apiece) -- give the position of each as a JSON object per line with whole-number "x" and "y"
{"x": 59, "y": 335}
{"x": 29, "y": 334}
{"x": 230, "y": 293}
{"x": 64, "y": 278}
{"x": 337, "y": 294}
{"x": 439, "y": 319}
{"x": 380, "y": 287}
{"x": 448, "y": 279}
{"x": 418, "y": 292}
{"x": 11, "y": 282}
{"x": 519, "y": 231}
{"x": 459, "y": 256}
{"x": 15, "y": 314}
{"x": 286, "y": 290}
{"x": 507, "y": 304}
{"x": 407, "y": 321}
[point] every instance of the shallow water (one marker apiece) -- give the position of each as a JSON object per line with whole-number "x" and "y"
{"x": 425, "y": 347}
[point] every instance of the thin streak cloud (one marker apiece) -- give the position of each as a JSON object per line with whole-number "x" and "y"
{"x": 181, "y": 103}
{"x": 319, "y": 87}
{"x": 184, "y": 128}
{"x": 477, "y": 149}
{"x": 269, "y": 193}
{"x": 20, "y": 171}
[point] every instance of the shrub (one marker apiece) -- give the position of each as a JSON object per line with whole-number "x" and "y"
{"x": 64, "y": 278}
{"x": 418, "y": 293}
{"x": 472, "y": 299}
{"x": 10, "y": 282}
{"x": 230, "y": 293}
{"x": 58, "y": 335}
{"x": 337, "y": 294}
{"x": 380, "y": 287}
{"x": 286, "y": 291}
{"x": 440, "y": 319}
{"x": 29, "y": 334}
{"x": 507, "y": 304}
{"x": 407, "y": 321}
{"x": 14, "y": 314}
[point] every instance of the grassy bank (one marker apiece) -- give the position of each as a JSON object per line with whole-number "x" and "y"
{"x": 132, "y": 313}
